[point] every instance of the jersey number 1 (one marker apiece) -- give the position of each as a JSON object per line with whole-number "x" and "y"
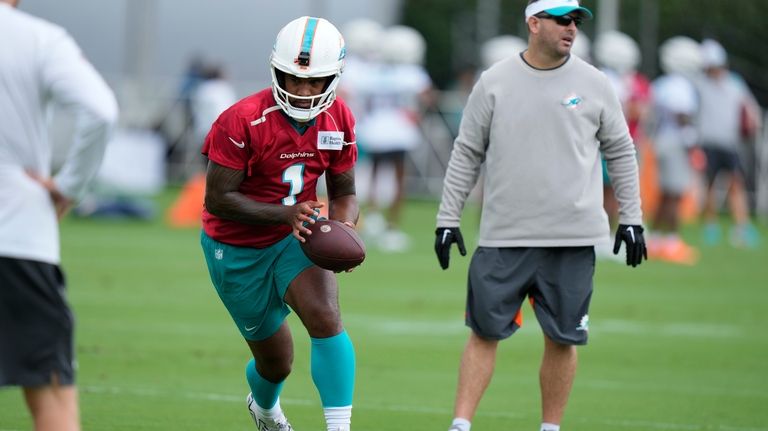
{"x": 294, "y": 176}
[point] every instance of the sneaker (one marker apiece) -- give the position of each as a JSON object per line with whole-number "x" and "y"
{"x": 373, "y": 224}
{"x": 263, "y": 423}
{"x": 393, "y": 241}
{"x": 672, "y": 249}
{"x": 677, "y": 251}
{"x": 711, "y": 234}
{"x": 745, "y": 236}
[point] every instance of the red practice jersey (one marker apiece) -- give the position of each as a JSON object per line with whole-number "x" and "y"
{"x": 281, "y": 165}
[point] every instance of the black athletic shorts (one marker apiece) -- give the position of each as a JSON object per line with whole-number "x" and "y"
{"x": 719, "y": 159}
{"x": 556, "y": 280}
{"x": 388, "y": 156}
{"x": 36, "y": 325}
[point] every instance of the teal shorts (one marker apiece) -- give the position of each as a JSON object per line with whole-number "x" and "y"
{"x": 251, "y": 282}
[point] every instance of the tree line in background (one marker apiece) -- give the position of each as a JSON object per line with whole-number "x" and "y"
{"x": 452, "y": 30}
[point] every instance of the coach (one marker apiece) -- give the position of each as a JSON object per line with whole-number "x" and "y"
{"x": 537, "y": 122}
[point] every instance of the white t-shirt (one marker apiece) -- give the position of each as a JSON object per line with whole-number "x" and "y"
{"x": 391, "y": 96}
{"x": 41, "y": 67}
{"x": 719, "y": 117}
{"x": 674, "y": 95}
{"x": 209, "y": 100}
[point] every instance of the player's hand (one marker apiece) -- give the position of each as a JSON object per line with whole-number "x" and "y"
{"x": 444, "y": 237}
{"x": 303, "y": 214}
{"x": 632, "y": 236}
{"x": 61, "y": 203}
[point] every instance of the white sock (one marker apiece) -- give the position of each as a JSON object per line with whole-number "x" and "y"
{"x": 549, "y": 427}
{"x": 338, "y": 418}
{"x": 461, "y": 424}
{"x": 274, "y": 413}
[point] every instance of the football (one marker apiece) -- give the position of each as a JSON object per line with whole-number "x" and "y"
{"x": 333, "y": 246}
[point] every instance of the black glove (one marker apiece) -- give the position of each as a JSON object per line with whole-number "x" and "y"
{"x": 632, "y": 235}
{"x": 444, "y": 237}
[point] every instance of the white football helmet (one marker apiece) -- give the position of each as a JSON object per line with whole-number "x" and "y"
{"x": 582, "y": 47}
{"x": 307, "y": 47}
{"x": 363, "y": 37}
{"x": 618, "y": 51}
{"x": 500, "y": 47}
{"x": 680, "y": 54}
{"x": 713, "y": 54}
{"x": 403, "y": 45}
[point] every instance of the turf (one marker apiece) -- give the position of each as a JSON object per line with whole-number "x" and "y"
{"x": 671, "y": 347}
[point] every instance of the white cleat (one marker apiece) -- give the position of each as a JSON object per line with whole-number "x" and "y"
{"x": 263, "y": 423}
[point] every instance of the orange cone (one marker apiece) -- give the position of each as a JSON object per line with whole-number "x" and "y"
{"x": 186, "y": 210}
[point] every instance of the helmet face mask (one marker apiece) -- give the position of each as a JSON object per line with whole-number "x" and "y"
{"x": 309, "y": 48}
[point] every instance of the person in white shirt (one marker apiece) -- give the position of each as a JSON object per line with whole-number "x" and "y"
{"x": 728, "y": 115}
{"x": 675, "y": 141}
{"x": 209, "y": 99}
{"x": 396, "y": 91}
{"x": 41, "y": 68}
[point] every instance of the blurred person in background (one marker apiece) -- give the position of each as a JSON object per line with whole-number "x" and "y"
{"x": 675, "y": 141}
{"x": 582, "y": 48}
{"x": 728, "y": 116}
{"x": 398, "y": 90}
{"x": 500, "y": 48}
{"x": 210, "y": 98}
{"x": 537, "y": 122}
{"x": 618, "y": 56}
{"x": 266, "y": 154}
{"x": 363, "y": 38}
{"x": 42, "y": 67}
{"x": 176, "y": 124}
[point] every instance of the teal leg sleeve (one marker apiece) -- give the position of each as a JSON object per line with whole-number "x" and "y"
{"x": 333, "y": 369}
{"x": 264, "y": 392}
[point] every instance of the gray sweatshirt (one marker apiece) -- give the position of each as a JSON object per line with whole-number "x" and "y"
{"x": 539, "y": 134}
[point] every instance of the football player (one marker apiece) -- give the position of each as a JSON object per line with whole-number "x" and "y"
{"x": 397, "y": 91}
{"x": 266, "y": 154}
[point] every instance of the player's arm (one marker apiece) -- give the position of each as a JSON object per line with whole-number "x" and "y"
{"x": 74, "y": 84}
{"x": 223, "y": 199}
{"x": 342, "y": 198}
{"x": 619, "y": 152}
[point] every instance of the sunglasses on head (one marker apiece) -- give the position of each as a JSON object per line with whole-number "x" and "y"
{"x": 564, "y": 20}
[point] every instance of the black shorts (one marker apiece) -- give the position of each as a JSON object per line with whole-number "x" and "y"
{"x": 557, "y": 281}
{"x": 36, "y": 325}
{"x": 388, "y": 156}
{"x": 719, "y": 159}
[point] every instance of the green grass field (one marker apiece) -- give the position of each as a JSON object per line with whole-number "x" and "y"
{"x": 671, "y": 347}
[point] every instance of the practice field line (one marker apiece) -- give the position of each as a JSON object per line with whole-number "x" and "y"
{"x": 624, "y": 424}
{"x": 455, "y": 328}
{"x": 413, "y": 327}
